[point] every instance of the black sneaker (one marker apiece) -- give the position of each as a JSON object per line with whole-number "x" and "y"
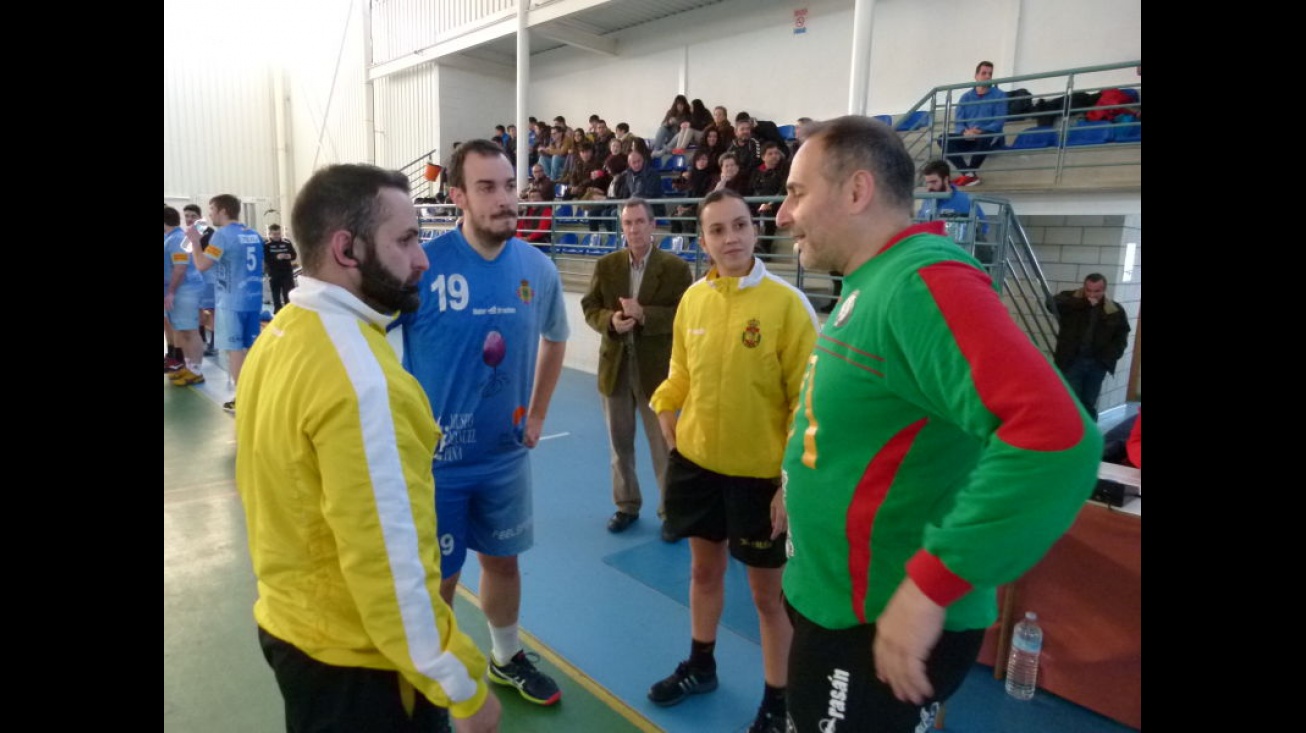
{"x": 230, "y": 406}
{"x": 680, "y": 685}
{"x": 768, "y": 723}
{"x": 520, "y": 672}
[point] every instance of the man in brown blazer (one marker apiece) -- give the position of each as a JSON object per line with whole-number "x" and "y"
{"x": 632, "y": 302}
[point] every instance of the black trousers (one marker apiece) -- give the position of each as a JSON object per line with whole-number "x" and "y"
{"x": 322, "y": 698}
{"x": 832, "y": 679}
{"x": 281, "y": 285}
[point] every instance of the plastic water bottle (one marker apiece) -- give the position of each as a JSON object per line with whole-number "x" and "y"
{"x": 1022, "y": 667}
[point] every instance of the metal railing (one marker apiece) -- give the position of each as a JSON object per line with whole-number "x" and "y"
{"x": 581, "y": 231}
{"x": 415, "y": 170}
{"x": 1060, "y": 140}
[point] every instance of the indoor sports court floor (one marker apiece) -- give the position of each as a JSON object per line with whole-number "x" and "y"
{"x": 607, "y": 613}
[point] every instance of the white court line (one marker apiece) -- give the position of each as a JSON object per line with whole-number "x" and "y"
{"x": 555, "y": 435}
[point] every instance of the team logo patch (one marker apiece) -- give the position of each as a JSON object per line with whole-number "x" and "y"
{"x": 524, "y": 292}
{"x": 752, "y": 335}
{"x": 846, "y": 309}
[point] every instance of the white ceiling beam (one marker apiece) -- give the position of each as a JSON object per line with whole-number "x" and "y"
{"x": 573, "y": 36}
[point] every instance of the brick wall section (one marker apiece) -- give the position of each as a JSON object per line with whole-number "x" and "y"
{"x": 1069, "y": 248}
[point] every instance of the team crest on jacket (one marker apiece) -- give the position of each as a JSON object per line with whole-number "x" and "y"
{"x": 524, "y": 292}
{"x": 752, "y": 333}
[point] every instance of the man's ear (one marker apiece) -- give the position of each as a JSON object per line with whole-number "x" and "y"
{"x": 342, "y": 248}
{"x": 861, "y": 190}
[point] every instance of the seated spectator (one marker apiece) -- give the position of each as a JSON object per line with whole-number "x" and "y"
{"x": 602, "y": 135}
{"x": 582, "y": 177}
{"x": 715, "y": 145}
{"x": 625, "y": 137}
{"x": 539, "y": 181}
{"x": 699, "y": 117}
{"x": 724, "y": 126}
{"x": 935, "y": 175}
{"x": 605, "y": 216}
{"x": 746, "y": 148}
{"x": 768, "y": 180}
{"x": 670, "y": 125}
{"x": 979, "y": 119}
{"x": 800, "y": 134}
{"x": 732, "y": 176}
{"x": 554, "y": 155}
{"x": 694, "y": 182}
{"x": 687, "y": 138}
{"x": 535, "y": 224}
{"x": 578, "y": 141}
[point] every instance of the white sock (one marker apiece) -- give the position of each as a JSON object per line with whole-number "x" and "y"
{"x": 504, "y": 643}
{"x": 196, "y": 367}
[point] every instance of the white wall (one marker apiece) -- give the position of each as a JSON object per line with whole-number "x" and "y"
{"x": 219, "y": 120}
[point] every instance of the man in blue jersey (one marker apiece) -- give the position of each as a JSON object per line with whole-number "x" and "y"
{"x": 193, "y": 218}
{"x": 487, "y": 344}
{"x": 182, "y": 286}
{"x": 978, "y": 120}
{"x": 237, "y": 253}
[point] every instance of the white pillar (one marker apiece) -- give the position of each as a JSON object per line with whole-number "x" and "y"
{"x": 863, "y": 13}
{"x": 523, "y": 99}
{"x": 369, "y": 91}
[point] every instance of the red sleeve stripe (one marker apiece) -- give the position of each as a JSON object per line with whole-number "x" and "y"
{"x": 850, "y": 361}
{"x": 867, "y": 499}
{"x": 935, "y": 580}
{"x": 1014, "y": 379}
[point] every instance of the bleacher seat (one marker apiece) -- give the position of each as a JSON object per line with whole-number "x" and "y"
{"x": 675, "y": 163}
{"x": 1087, "y": 132}
{"x": 914, "y": 121}
{"x": 886, "y": 119}
{"x": 788, "y": 132}
{"x": 669, "y": 186}
{"x": 559, "y": 191}
{"x": 1044, "y": 136}
{"x": 1131, "y": 132}
{"x": 672, "y": 243}
{"x": 562, "y": 213}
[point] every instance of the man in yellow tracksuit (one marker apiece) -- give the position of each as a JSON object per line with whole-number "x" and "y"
{"x": 333, "y": 464}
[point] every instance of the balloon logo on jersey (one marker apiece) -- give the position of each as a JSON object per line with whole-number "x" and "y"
{"x": 492, "y": 353}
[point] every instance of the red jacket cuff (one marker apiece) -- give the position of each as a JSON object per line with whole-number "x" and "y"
{"x": 935, "y": 580}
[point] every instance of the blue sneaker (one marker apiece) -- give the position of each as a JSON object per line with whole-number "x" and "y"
{"x": 521, "y": 673}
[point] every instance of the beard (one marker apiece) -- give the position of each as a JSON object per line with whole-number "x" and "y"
{"x": 384, "y": 291}
{"x": 501, "y": 228}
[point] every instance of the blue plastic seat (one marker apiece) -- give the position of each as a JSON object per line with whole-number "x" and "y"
{"x": 559, "y": 190}
{"x": 914, "y": 121}
{"x": 1089, "y": 133}
{"x": 886, "y": 119}
{"x": 788, "y": 132}
{"x": 1130, "y": 132}
{"x": 1043, "y": 136}
{"x": 669, "y": 186}
{"x": 562, "y": 212}
{"x": 675, "y": 163}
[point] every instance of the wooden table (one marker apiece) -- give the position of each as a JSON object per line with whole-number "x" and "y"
{"x": 1087, "y": 592}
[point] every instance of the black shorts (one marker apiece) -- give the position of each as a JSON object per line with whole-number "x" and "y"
{"x": 324, "y": 697}
{"x": 832, "y": 682}
{"x": 715, "y": 507}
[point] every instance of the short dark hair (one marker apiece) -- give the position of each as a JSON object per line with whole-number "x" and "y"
{"x": 193, "y": 207}
{"x": 623, "y": 127}
{"x": 771, "y": 144}
{"x": 743, "y": 116}
{"x": 499, "y": 128}
{"x": 594, "y": 118}
{"x": 715, "y": 196}
{"x": 938, "y": 168}
{"x": 171, "y": 217}
{"x": 274, "y": 227}
{"x": 856, "y": 142}
{"x": 342, "y": 196}
{"x": 480, "y": 147}
{"x": 982, "y": 64}
{"x": 228, "y": 204}
{"x": 1096, "y": 277}
{"x": 560, "y": 120}
{"x": 722, "y": 158}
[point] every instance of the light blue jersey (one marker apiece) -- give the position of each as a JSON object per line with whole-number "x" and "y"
{"x": 473, "y": 345}
{"x": 176, "y": 251}
{"x": 238, "y": 252}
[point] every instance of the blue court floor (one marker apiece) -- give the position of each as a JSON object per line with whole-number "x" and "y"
{"x": 610, "y": 609}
